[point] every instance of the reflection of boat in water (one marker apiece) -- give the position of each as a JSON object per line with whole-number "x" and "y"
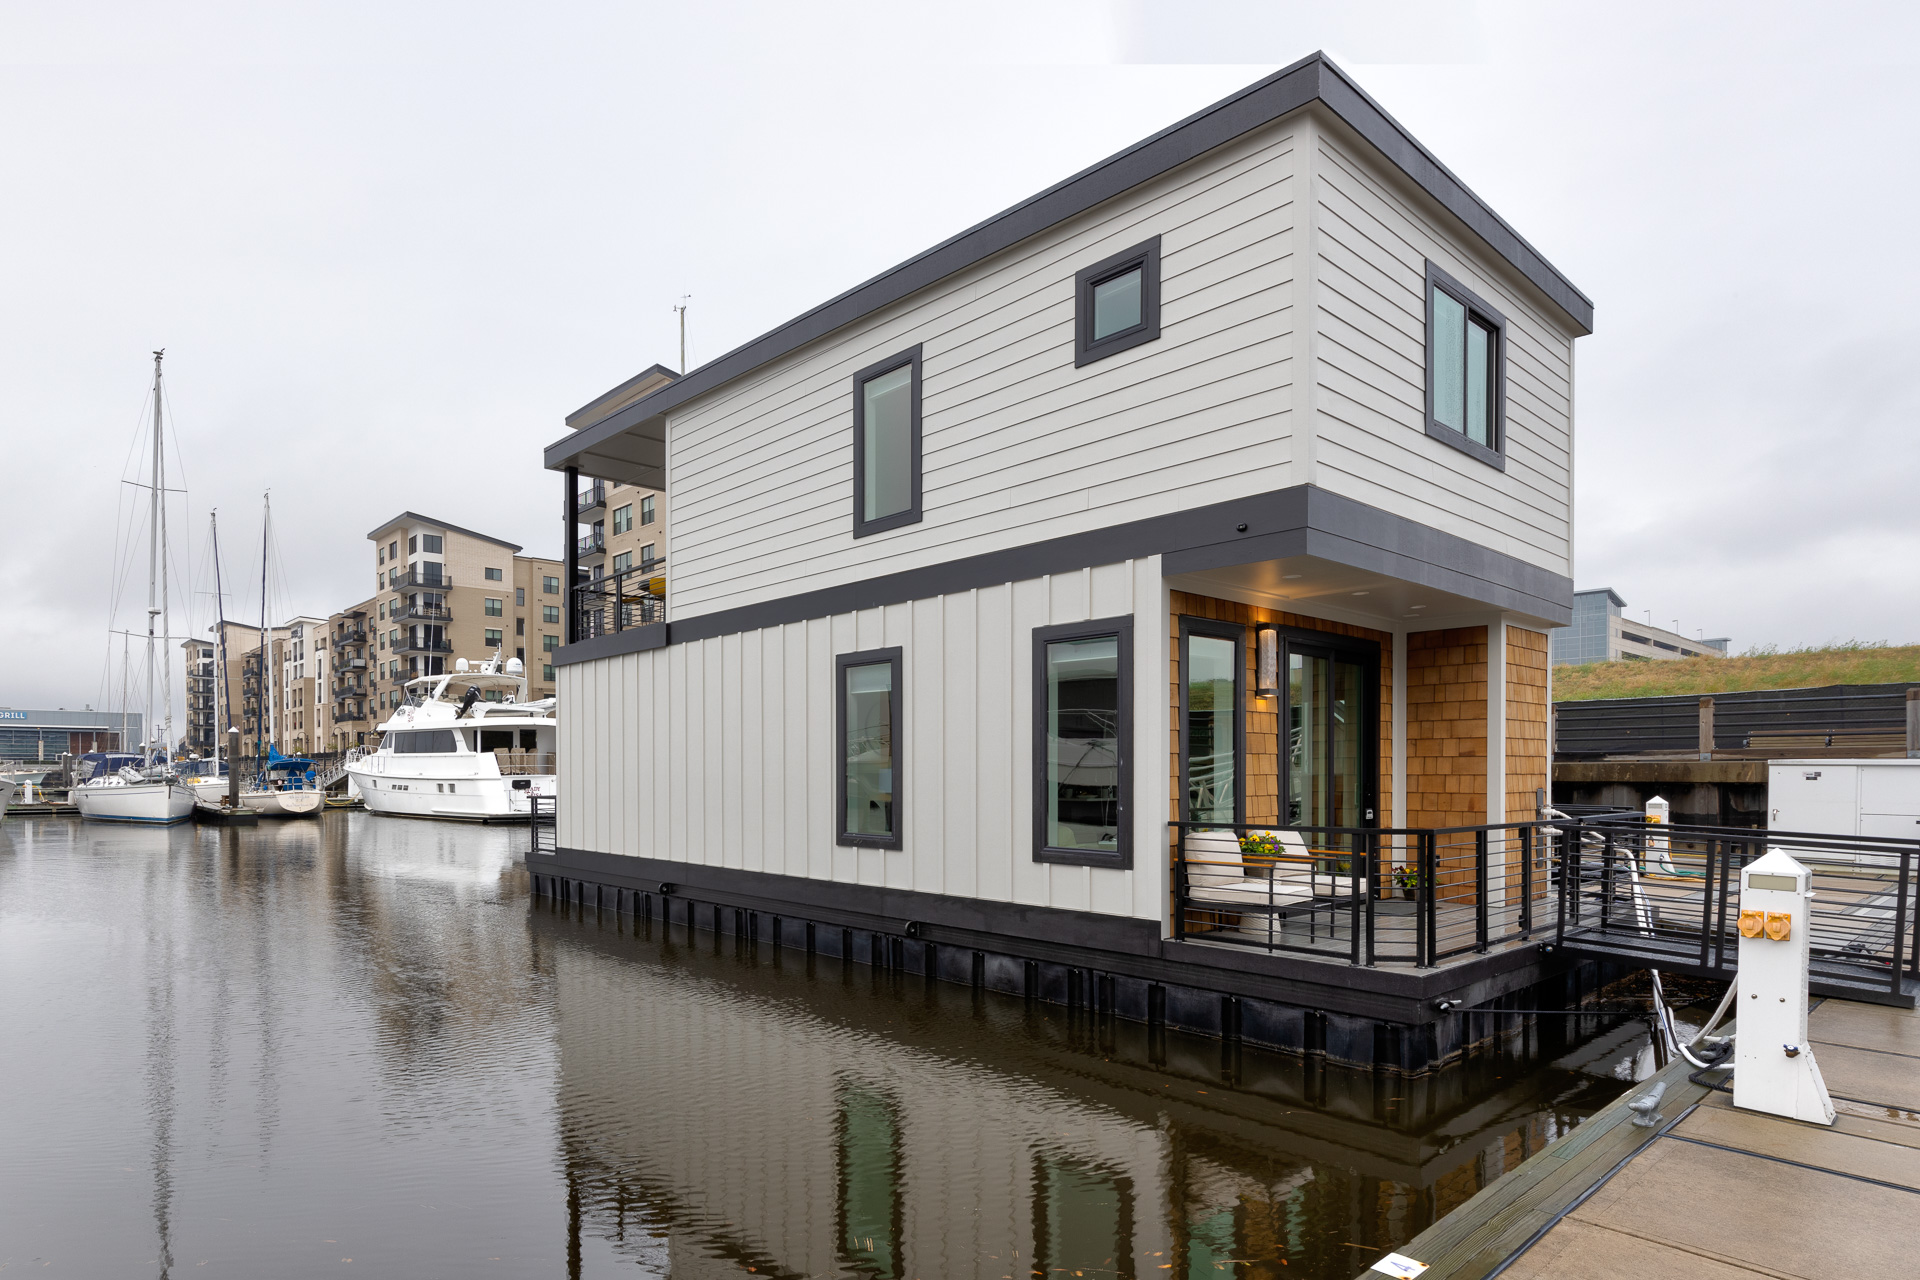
{"x": 477, "y": 759}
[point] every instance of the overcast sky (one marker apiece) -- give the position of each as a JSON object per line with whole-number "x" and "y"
{"x": 388, "y": 247}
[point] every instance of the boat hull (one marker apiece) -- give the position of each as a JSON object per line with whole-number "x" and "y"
{"x": 466, "y": 799}
{"x": 152, "y": 803}
{"x": 282, "y": 804}
{"x": 9, "y": 792}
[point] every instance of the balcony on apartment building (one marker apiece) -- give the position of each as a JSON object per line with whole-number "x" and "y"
{"x": 594, "y": 543}
{"x": 349, "y": 635}
{"x": 423, "y": 644}
{"x": 431, "y": 576}
{"x": 423, "y": 612}
{"x": 594, "y": 495}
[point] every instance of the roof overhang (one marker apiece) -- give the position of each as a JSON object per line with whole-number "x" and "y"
{"x": 629, "y": 444}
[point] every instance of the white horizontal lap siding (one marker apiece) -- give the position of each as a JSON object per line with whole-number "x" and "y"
{"x": 1371, "y": 240}
{"x": 722, "y": 752}
{"x": 1018, "y": 444}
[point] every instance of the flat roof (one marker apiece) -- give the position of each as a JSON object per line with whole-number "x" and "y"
{"x": 1608, "y": 592}
{"x": 415, "y": 517}
{"x": 1314, "y": 78}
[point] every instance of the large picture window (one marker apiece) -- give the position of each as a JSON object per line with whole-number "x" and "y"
{"x": 1082, "y": 742}
{"x": 1117, "y": 303}
{"x": 870, "y": 786}
{"x": 1466, "y": 362}
{"x": 886, "y": 444}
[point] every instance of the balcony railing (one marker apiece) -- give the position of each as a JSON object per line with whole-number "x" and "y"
{"x": 349, "y": 664}
{"x": 415, "y": 576}
{"x": 423, "y": 644}
{"x": 347, "y": 715}
{"x": 593, "y": 544}
{"x": 631, "y": 598}
{"x": 422, "y": 613}
{"x": 354, "y": 635}
{"x": 595, "y": 495}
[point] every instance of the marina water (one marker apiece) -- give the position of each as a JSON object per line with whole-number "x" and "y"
{"x": 354, "y": 1043}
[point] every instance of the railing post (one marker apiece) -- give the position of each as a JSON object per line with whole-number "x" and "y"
{"x": 1373, "y": 888}
{"x": 1179, "y": 882}
{"x": 1706, "y": 905}
{"x": 1480, "y": 922}
{"x": 570, "y": 556}
{"x": 1895, "y": 977}
{"x": 1427, "y": 926}
{"x": 1526, "y": 882}
{"x": 1571, "y": 843}
{"x": 1606, "y": 882}
{"x": 619, "y": 601}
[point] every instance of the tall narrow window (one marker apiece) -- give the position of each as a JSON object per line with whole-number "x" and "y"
{"x": 646, "y": 509}
{"x": 886, "y": 444}
{"x": 867, "y": 722}
{"x": 1466, "y": 403}
{"x": 1212, "y": 663}
{"x": 1082, "y": 682}
{"x": 1117, "y": 303}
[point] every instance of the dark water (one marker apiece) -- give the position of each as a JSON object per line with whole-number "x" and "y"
{"x": 354, "y": 1044}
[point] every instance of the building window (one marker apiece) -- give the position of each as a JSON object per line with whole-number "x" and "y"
{"x": 548, "y": 643}
{"x": 413, "y": 545}
{"x": 886, "y": 444}
{"x": 623, "y": 519}
{"x": 379, "y": 555}
{"x": 867, "y": 728}
{"x": 1082, "y": 734}
{"x": 1466, "y": 362}
{"x": 623, "y": 562}
{"x": 1117, "y": 303}
{"x": 519, "y": 626}
{"x": 493, "y": 575}
{"x": 494, "y": 637}
{"x": 520, "y": 654}
{"x": 495, "y": 608}
{"x": 519, "y": 597}
{"x": 550, "y": 586}
{"x": 550, "y": 613}
{"x": 1212, "y": 723}
{"x": 646, "y": 509}
{"x": 430, "y": 543}
{"x": 546, "y": 671}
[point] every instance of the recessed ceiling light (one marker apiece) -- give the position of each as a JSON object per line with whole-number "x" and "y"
{"x": 1290, "y": 576}
{"x": 1363, "y": 593}
{"x": 1416, "y": 606}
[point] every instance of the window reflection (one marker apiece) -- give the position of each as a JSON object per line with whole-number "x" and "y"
{"x": 869, "y": 1166}
{"x": 1083, "y": 743}
{"x": 1212, "y": 702}
{"x": 1082, "y": 1219}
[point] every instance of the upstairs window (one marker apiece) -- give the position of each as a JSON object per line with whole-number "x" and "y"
{"x": 623, "y": 519}
{"x": 550, "y": 613}
{"x": 1117, "y": 303}
{"x": 493, "y": 575}
{"x": 494, "y": 637}
{"x": 413, "y": 544}
{"x": 886, "y": 444}
{"x": 1466, "y": 359}
{"x": 549, "y": 643}
{"x": 550, "y": 586}
{"x": 519, "y": 597}
{"x": 623, "y": 562}
{"x": 867, "y": 724}
{"x": 495, "y": 607}
{"x": 646, "y": 554}
{"x": 646, "y": 509}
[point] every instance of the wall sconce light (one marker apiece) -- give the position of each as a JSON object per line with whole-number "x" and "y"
{"x": 1266, "y": 678}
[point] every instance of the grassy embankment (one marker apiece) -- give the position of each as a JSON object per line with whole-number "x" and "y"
{"x": 1854, "y": 662}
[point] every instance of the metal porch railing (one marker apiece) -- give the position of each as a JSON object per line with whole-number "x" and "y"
{"x": 619, "y": 601}
{"x": 1669, "y": 895}
{"x": 544, "y": 826}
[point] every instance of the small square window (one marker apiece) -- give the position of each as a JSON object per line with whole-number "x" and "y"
{"x": 493, "y": 575}
{"x": 1466, "y": 364}
{"x": 886, "y": 444}
{"x": 870, "y": 787}
{"x": 494, "y": 637}
{"x": 550, "y": 613}
{"x": 549, "y": 643}
{"x": 430, "y": 543}
{"x": 550, "y": 586}
{"x": 495, "y": 608}
{"x": 1117, "y": 303}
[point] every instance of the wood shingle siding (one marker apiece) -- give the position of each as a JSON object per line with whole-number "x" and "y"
{"x": 721, "y": 752}
{"x": 1447, "y": 727}
{"x": 1527, "y": 756}
{"x": 1018, "y": 444}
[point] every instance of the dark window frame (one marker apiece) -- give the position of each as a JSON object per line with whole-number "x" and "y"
{"x": 1495, "y": 457}
{"x": 863, "y": 527}
{"x": 1146, "y": 256}
{"x": 896, "y": 656}
{"x": 1211, "y": 627}
{"x": 1121, "y": 859}
{"x": 1336, "y": 645}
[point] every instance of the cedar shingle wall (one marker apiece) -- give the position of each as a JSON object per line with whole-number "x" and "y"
{"x": 1526, "y": 720}
{"x": 1263, "y": 716}
{"x": 1447, "y": 727}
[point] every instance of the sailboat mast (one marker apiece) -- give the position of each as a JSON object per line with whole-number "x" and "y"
{"x": 165, "y": 652}
{"x": 222, "y": 696}
{"x": 266, "y": 644}
{"x": 153, "y": 544}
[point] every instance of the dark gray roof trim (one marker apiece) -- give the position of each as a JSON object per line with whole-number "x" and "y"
{"x": 1301, "y": 521}
{"x": 1287, "y": 90}
{"x": 579, "y": 416}
{"x": 416, "y": 517}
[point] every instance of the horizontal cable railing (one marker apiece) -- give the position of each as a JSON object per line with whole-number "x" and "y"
{"x": 630, "y": 598}
{"x": 544, "y": 826}
{"x": 1672, "y": 891}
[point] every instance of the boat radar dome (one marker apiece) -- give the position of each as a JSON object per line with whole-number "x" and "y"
{"x": 460, "y": 664}
{"x": 514, "y": 666}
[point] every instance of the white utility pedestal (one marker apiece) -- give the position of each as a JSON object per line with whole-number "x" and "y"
{"x": 1659, "y": 854}
{"x": 1774, "y": 1070}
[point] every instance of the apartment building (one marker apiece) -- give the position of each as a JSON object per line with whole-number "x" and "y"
{"x": 620, "y": 528}
{"x": 216, "y": 690}
{"x": 1217, "y": 499}
{"x": 443, "y": 593}
{"x": 1601, "y": 633}
{"x": 301, "y": 656}
{"x": 351, "y": 687}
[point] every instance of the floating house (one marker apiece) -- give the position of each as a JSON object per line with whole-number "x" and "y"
{"x": 1139, "y": 600}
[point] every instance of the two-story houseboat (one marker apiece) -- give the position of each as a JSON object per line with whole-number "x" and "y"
{"x": 1139, "y": 599}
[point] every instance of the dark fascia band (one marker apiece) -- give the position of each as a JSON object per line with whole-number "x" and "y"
{"x": 1313, "y": 78}
{"x": 1300, "y": 521}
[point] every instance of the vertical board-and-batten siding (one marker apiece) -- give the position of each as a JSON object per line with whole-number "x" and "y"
{"x": 721, "y": 752}
{"x": 1019, "y": 444}
{"x": 1372, "y": 236}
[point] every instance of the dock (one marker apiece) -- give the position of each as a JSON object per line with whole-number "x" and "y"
{"x": 1713, "y": 1191}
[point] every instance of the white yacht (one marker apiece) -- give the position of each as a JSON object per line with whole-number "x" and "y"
{"x": 476, "y": 759}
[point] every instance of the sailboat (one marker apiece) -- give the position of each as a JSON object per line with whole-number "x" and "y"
{"x": 150, "y": 791}
{"x": 280, "y": 787}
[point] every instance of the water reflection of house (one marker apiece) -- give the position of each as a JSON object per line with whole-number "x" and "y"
{"x": 1268, "y": 407}
{"x": 720, "y": 1112}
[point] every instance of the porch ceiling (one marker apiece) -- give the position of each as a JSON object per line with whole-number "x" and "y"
{"x": 1342, "y": 592}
